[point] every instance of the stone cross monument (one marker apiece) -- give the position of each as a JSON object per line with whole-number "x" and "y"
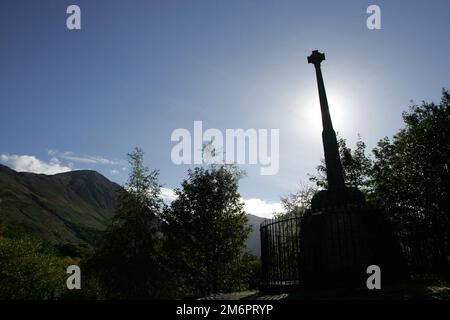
{"x": 341, "y": 234}
{"x": 332, "y": 160}
{"x": 337, "y": 193}
{"x": 331, "y": 244}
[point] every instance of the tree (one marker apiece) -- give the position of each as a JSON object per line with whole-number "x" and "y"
{"x": 243, "y": 273}
{"x": 131, "y": 258}
{"x": 411, "y": 172}
{"x": 30, "y": 270}
{"x": 206, "y": 228}
{"x": 297, "y": 203}
{"x": 416, "y": 162}
{"x": 2, "y": 226}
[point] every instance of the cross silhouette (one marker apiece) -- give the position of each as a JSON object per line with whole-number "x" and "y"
{"x": 335, "y": 175}
{"x": 316, "y": 57}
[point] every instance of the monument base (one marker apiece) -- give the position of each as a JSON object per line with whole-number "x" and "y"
{"x": 338, "y": 244}
{"x": 337, "y": 198}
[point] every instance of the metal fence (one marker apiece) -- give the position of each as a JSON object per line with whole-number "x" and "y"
{"x": 280, "y": 251}
{"x": 285, "y": 259}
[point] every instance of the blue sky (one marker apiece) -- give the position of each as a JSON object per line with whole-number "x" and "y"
{"x": 137, "y": 70}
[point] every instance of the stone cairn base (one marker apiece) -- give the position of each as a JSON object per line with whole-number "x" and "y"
{"x": 338, "y": 242}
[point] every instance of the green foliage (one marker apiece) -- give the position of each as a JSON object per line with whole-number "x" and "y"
{"x": 297, "y": 203}
{"x": 75, "y": 250}
{"x": 411, "y": 173}
{"x": 412, "y": 170}
{"x": 129, "y": 262}
{"x": 205, "y": 229}
{"x": 193, "y": 248}
{"x": 30, "y": 271}
{"x": 242, "y": 273}
{"x": 2, "y": 225}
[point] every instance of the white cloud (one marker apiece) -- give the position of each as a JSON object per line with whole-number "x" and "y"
{"x": 262, "y": 208}
{"x": 25, "y": 163}
{"x": 168, "y": 195}
{"x": 255, "y": 206}
{"x": 90, "y": 159}
{"x": 114, "y": 171}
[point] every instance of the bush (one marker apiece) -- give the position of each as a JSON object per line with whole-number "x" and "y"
{"x": 30, "y": 271}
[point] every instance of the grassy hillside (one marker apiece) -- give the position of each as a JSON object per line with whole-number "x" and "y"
{"x": 66, "y": 207}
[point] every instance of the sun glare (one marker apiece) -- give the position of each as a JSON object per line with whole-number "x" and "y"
{"x": 311, "y": 116}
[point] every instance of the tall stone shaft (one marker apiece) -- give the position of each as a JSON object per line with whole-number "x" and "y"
{"x": 333, "y": 164}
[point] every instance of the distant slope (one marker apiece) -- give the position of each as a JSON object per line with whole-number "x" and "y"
{"x": 253, "y": 241}
{"x": 68, "y": 207}
{"x": 73, "y": 206}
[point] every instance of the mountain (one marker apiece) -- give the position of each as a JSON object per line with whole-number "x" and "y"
{"x": 74, "y": 206}
{"x": 67, "y": 207}
{"x": 254, "y": 240}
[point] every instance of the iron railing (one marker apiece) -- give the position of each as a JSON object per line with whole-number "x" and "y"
{"x": 283, "y": 258}
{"x": 280, "y": 251}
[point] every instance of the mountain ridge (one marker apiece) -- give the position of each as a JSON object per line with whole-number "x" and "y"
{"x": 74, "y": 206}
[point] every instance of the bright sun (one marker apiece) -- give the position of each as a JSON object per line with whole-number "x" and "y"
{"x": 311, "y": 112}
